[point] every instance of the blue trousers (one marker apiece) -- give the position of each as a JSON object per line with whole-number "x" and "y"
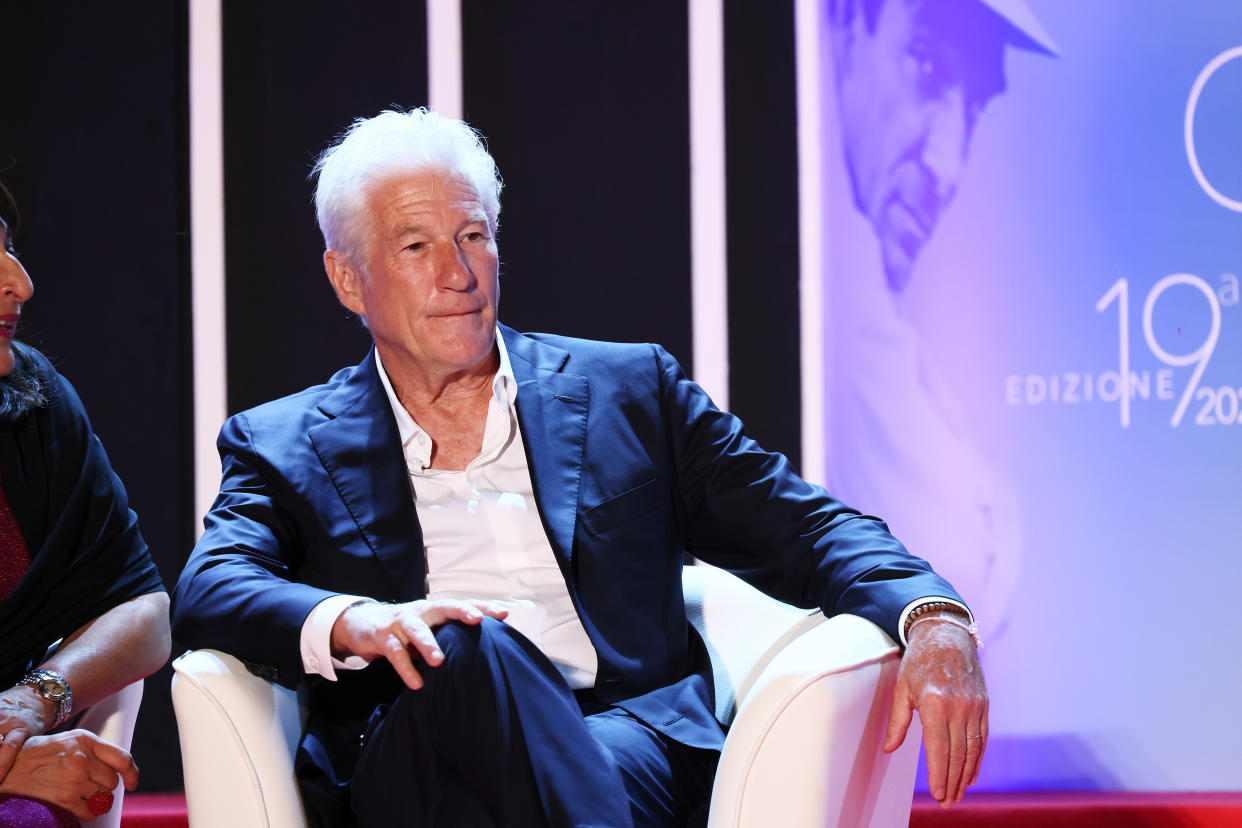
{"x": 496, "y": 738}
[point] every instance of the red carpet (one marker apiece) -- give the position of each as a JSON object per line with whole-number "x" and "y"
{"x": 1032, "y": 810}
{"x": 154, "y": 810}
{"x": 1082, "y": 810}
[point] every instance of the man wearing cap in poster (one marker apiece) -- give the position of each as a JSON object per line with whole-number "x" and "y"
{"x": 910, "y": 81}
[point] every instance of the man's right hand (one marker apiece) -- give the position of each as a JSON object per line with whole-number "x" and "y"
{"x": 372, "y": 630}
{"x": 65, "y": 769}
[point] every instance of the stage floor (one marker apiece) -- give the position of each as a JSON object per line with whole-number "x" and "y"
{"x": 985, "y": 810}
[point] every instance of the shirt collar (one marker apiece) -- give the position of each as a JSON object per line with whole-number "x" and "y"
{"x": 413, "y": 439}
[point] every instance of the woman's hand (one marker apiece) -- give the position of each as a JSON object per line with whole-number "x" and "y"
{"x": 23, "y": 714}
{"x": 66, "y": 769}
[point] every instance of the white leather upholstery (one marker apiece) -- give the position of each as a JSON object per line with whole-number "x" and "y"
{"x": 113, "y": 721}
{"x": 806, "y": 699}
{"x": 238, "y": 735}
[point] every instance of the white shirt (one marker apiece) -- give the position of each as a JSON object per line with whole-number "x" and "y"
{"x": 482, "y": 537}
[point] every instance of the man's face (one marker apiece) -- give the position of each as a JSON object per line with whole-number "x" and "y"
{"x": 910, "y": 92}
{"x": 428, "y": 285}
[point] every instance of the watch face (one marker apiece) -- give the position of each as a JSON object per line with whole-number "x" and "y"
{"x": 53, "y": 689}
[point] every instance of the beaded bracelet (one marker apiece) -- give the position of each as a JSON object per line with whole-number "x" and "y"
{"x": 971, "y": 628}
{"x": 930, "y": 606}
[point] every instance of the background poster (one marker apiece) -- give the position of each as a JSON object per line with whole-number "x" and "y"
{"x": 1032, "y": 356}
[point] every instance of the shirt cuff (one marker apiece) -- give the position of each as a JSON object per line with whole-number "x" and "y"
{"x": 918, "y": 602}
{"x": 316, "y": 638}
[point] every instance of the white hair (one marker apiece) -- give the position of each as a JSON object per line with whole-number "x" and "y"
{"x": 394, "y": 143}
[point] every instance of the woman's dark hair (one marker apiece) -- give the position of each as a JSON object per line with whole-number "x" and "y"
{"x": 8, "y": 210}
{"x": 23, "y": 389}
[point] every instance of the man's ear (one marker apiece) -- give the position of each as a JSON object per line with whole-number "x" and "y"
{"x": 345, "y": 280}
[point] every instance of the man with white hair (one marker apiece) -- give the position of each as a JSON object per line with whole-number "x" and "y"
{"x": 466, "y": 551}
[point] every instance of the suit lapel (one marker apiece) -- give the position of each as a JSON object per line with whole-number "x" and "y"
{"x": 360, "y": 449}
{"x": 552, "y": 411}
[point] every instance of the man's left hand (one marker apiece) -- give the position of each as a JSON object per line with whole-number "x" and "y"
{"x": 940, "y": 676}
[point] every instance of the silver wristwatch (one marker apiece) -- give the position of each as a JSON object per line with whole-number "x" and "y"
{"x": 53, "y": 687}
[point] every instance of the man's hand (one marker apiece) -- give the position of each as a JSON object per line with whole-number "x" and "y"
{"x": 67, "y": 768}
{"x": 391, "y": 630}
{"x": 23, "y": 714}
{"x": 940, "y": 676}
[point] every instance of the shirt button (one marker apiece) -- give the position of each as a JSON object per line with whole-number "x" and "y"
{"x": 314, "y": 664}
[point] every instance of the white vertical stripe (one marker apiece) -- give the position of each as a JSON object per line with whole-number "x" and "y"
{"x": 708, "y": 279}
{"x": 444, "y": 88}
{"x": 811, "y": 244}
{"x": 207, "y": 240}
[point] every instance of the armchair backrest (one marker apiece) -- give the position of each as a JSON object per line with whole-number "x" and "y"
{"x": 238, "y": 737}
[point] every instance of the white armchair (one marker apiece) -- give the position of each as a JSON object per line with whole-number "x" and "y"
{"x": 806, "y": 699}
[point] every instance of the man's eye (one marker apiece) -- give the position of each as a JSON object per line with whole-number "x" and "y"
{"x": 932, "y": 69}
{"x": 475, "y": 236}
{"x": 416, "y": 246}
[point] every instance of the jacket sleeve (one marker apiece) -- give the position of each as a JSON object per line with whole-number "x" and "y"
{"x": 747, "y": 511}
{"x": 237, "y": 591}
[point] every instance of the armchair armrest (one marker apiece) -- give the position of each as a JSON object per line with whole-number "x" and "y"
{"x": 238, "y": 737}
{"x": 809, "y": 698}
{"x": 112, "y": 719}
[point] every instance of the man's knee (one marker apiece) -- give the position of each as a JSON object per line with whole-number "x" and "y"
{"x": 458, "y": 639}
{"x": 463, "y": 684}
{"x": 469, "y": 648}
{"x": 468, "y": 692}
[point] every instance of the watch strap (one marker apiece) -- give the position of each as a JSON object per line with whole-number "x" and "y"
{"x": 64, "y": 703}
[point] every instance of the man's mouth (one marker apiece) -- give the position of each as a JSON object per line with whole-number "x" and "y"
{"x": 926, "y": 220}
{"x": 8, "y": 324}
{"x": 911, "y": 226}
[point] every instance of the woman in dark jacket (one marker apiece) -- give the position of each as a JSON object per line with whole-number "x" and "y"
{"x": 82, "y": 609}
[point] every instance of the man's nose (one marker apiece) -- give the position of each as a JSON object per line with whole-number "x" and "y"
{"x": 453, "y": 269}
{"x": 945, "y": 143}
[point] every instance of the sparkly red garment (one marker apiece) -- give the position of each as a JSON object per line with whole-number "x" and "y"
{"x": 14, "y": 557}
{"x": 14, "y": 561}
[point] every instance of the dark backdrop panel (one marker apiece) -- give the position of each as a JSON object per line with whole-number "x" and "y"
{"x": 296, "y": 73}
{"x": 94, "y": 123}
{"x": 585, "y": 107}
{"x": 762, "y": 195}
